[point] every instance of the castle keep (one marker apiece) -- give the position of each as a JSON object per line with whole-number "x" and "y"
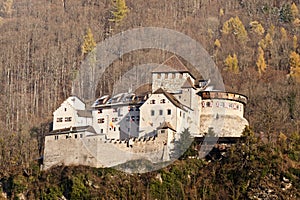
{"x": 142, "y": 125}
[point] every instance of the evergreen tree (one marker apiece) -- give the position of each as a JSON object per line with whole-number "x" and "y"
{"x": 182, "y": 146}
{"x": 120, "y": 11}
{"x": 89, "y": 43}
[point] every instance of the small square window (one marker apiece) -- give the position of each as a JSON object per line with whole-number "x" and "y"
{"x": 137, "y": 118}
{"x": 101, "y": 120}
{"x": 152, "y": 101}
{"x": 127, "y": 118}
{"x": 132, "y": 118}
{"x": 152, "y": 112}
{"x": 100, "y": 111}
{"x": 169, "y": 111}
{"x": 115, "y": 109}
{"x": 60, "y": 119}
{"x": 68, "y": 119}
{"x": 160, "y": 112}
{"x": 163, "y": 101}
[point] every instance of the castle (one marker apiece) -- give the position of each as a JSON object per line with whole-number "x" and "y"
{"x": 143, "y": 124}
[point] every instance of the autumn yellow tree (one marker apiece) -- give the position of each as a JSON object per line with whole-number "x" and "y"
{"x": 236, "y": 27}
{"x": 294, "y": 61}
{"x": 266, "y": 42}
{"x": 257, "y": 28}
{"x": 217, "y": 43}
{"x": 120, "y": 11}
{"x": 89, "y": 43}
{"x": 232, "y": 64}
{"x": 260, "y": 63}
{"x": 283, "y": 34}
{"x": 294, "y": 10}
{"x": 6, "y": 8}
{"x": 295, "y": 42}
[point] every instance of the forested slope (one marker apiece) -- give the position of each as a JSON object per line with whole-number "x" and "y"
{"x": 254, "y": 44}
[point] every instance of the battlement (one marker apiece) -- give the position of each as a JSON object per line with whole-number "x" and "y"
{"x": 223, "y": 95}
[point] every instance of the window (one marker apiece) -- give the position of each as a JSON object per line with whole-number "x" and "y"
{"x": 68, "y": 119}
{"x": 180, "y": 113}
{"x": 222, "y": 104}
{"x": 60, "y": 119}
{"x": 183, "y": 115}
{"x": 173, "y": 75}
{"x": 137, "y": 118}
{"x": 65, "y": 109}
{"x": 114, "y": 119}
{"x": 137, "y": 109}
{"x": 127, "y": 119}
{"x": 130, "y": 108}
{"x": 166, "y": 75}
{"x": 101, "y": 130}
{"x": 75, "y": 136}
{"x": 80, "y": 135}
{"x": 169, "y": 112}
{"x": 115, "y": 109}
{"x": 114, "y": 128}
{"x": 100, "y": 111}
{"x": 162, "y": 131}
{"x": 56, "y": 137}
{"x": 158, "y": 76}
{"x": 163, "y": 101}
{"x": 152, "y": 101}
{"x": 152, "y": 113}
{"x": 132, "y": 118}
{"x": 208, "y": 104}
{"x": 101, "y": 120}
{"x": 160, "y": 112}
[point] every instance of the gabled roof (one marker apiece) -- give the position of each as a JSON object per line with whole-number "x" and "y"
{"x": 166, "y": 125}
{"x": 172, "y": 64}
{"x": 84, "y": 113}
{"x": 170, "y": 97}
{"x": 188, "y": 84}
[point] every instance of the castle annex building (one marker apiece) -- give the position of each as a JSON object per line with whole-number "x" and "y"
{"x": 143, "y": 124}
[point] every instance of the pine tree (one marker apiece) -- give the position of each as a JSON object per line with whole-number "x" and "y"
{"x": 120, "y": 11}
{"x": 231, "y": 62}
{"x": 260, "y": 63}
{"x": 294, "y": 61}
{"x": 89, "y": 43}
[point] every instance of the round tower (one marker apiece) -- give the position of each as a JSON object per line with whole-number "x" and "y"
{"x": 222, "y": 113}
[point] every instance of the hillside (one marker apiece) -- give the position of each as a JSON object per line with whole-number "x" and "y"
{"x": 254, "y": 44}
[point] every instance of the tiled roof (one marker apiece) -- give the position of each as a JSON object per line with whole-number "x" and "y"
{"x": 188, "y": 84}
{"x": 166, "y": 125}
{"x": 73, "y": 129}
{"x": 170, "y": 97}
{"x": 84, "y": 113}
{"x": 172, "y": 64}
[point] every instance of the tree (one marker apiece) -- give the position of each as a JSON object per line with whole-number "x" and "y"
{"x": 285, "y": 13}
{"x": 260, "y": 63}
{"x": 295, "y": 42}
{"x": 283, "y": 34}
{"x": 236, "y": 27}
{"x": 294, "y": 62}
{"x": 267, "y": 42}
{"x": 182, "y": 146}
{"x": 257, "y": 27}
{"x": 217, "y": 43}
{"x": 294, "y": 10}
{"x": 231, "y": 62}
{"x": 89, "y": 43}
{"x": 120, "y": 11}
{"x": 6, "y": 8}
